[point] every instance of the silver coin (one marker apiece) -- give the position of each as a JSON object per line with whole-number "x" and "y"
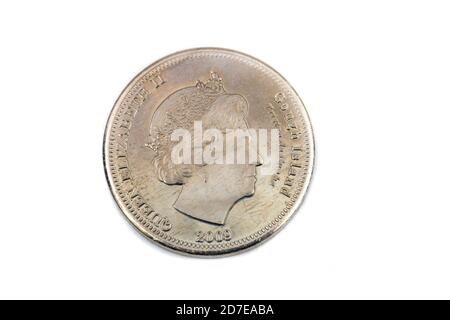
{"x": 208, "y": 151}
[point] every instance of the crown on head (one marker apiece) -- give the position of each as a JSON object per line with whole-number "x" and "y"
{"x": 214, "y": 85}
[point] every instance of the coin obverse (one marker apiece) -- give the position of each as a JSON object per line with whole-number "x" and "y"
{"x": 208, "y": 151}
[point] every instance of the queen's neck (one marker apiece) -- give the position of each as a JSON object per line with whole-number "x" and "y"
{"x": 199, "y": 200}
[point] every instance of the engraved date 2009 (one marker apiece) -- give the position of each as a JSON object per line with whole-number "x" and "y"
{"x": 218, "y": 235}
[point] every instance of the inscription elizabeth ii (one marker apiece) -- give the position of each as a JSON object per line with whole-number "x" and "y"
{"x": 218, "y": 206}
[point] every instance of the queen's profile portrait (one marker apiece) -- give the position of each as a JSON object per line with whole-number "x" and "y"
{"x": 208, "y": 191}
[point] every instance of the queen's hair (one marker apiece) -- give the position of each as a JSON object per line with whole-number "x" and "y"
{"x": 208, "y": 102}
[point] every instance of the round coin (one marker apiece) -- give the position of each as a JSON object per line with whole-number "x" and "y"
{"x": 208, "y": 151}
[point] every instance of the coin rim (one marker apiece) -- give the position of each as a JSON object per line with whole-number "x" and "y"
{"x": 237, "y": 249}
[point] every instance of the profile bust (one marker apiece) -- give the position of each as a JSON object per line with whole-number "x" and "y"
{"x": 209, "y": 191}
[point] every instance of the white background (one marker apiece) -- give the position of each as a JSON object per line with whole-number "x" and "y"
{"x": 374, "y": 76}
